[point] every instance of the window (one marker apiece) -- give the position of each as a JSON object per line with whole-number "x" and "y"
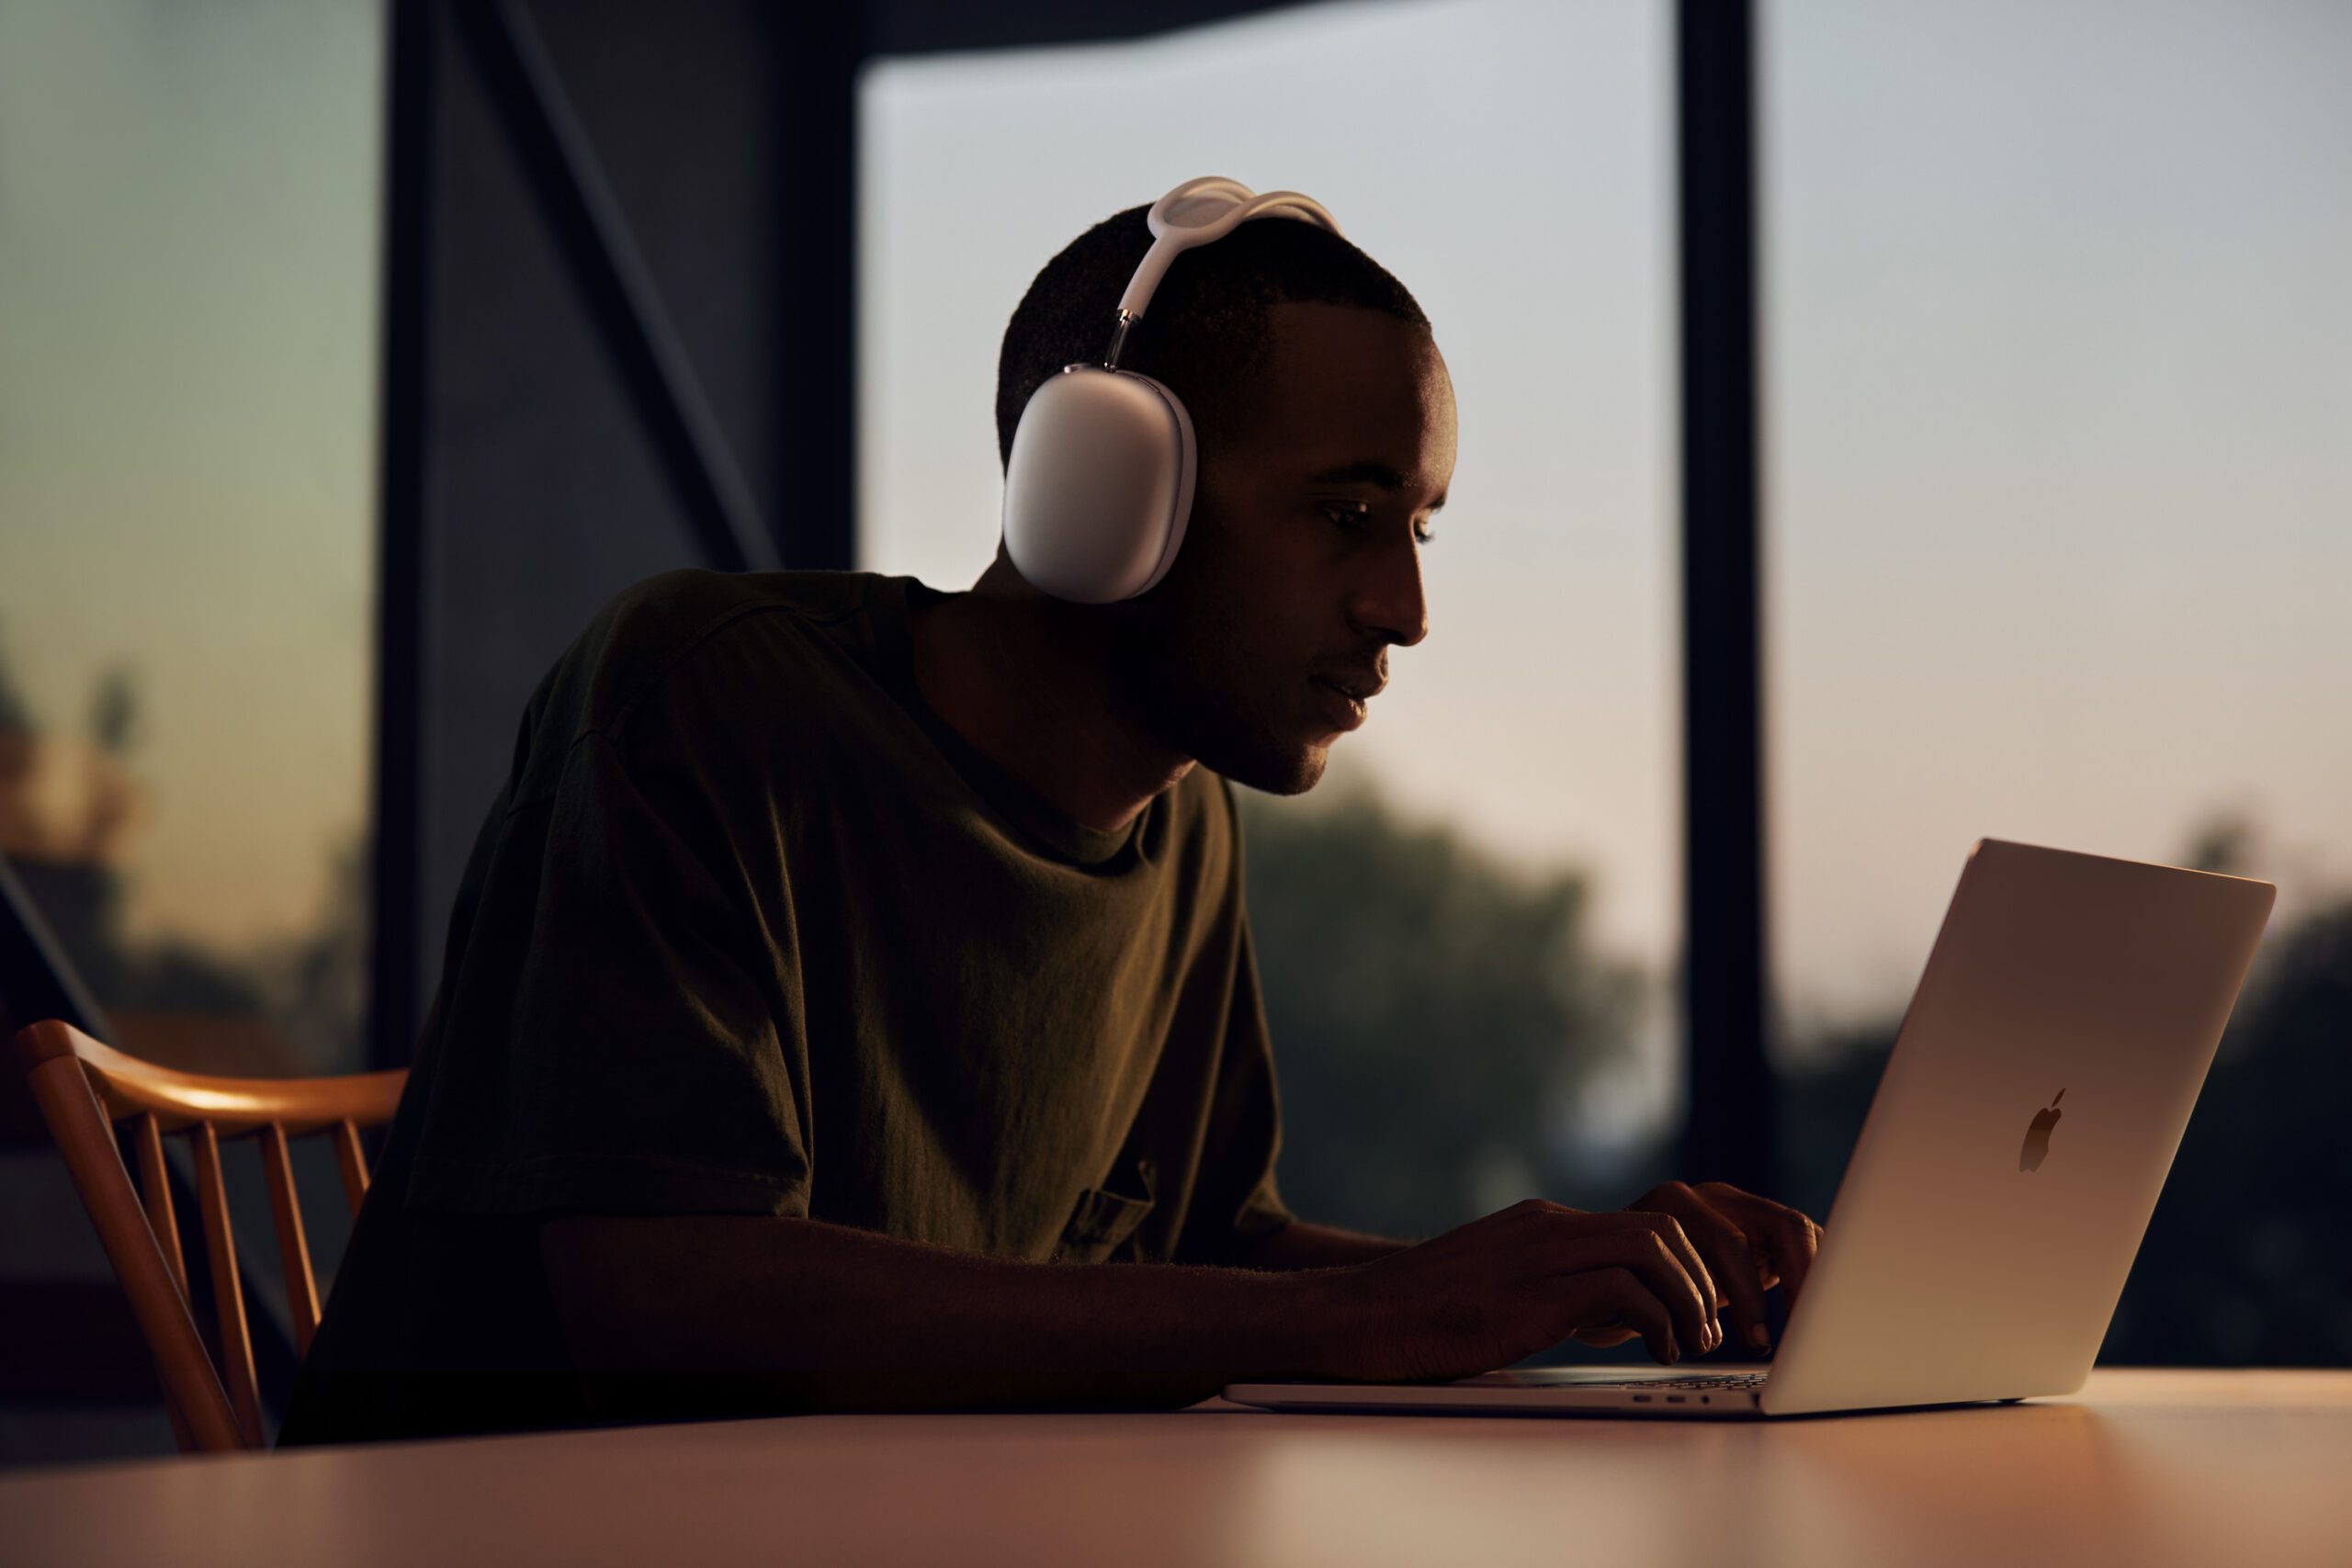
{"x": 188, "y": 237}
{"x": 1507, "y": 823}
{"x": 2060, "y": 382}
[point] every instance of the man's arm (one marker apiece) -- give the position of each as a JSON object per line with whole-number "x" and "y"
{"x": 822, "y": 1316}
{"x": 1300, "y": 1245}
{"x": 684, "y": 1315}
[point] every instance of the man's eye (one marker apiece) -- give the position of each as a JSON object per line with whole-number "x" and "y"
{"x": 1354, "y": 516}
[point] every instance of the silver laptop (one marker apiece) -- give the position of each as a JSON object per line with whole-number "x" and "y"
{"x": 2012, "y": 1157}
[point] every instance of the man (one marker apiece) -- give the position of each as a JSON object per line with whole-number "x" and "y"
{"x": 848, "y": 969}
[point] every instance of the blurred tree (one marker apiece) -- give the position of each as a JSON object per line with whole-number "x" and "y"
{"x": 2227, "y": 841}
{"x": 317, "y": 985}
{"x": 114, "y": 710}
{"x": 1433, "y": 1011}
{"x": 2244, "y": 1261}
{"x": 1822, "y": 1102}
{"x": 15, "y": 714}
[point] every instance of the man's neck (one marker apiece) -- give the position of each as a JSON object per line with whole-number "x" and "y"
{"x": 1030, "y": 683}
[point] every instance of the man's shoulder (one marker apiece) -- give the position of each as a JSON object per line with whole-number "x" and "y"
{"x": 692, "y": 631}
{"x": 701, "y": 654}
{"x": 689, "y": 600}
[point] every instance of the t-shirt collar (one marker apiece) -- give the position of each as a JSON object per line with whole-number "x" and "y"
{"x": 1029, "y": 813}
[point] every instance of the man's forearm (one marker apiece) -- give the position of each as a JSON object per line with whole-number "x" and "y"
{"x": 714, "y": 1312}
{"x": 1301, "y": 1245}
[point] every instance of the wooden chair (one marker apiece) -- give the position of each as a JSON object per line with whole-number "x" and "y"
{"x": 85, "y": 1092}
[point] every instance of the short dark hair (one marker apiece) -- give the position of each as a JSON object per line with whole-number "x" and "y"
{"x": 1205, "y": 332}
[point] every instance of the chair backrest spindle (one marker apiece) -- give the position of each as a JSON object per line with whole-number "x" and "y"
{"x": 351, "y": 1161}
{"x": 293, "y": 1245}
{"x": 228, "y": 1288}
{"x": 155, "y": 1190}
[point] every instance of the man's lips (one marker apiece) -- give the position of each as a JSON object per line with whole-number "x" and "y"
{"x": 1362, "y": 688}
{"x": 1344, "y": 696}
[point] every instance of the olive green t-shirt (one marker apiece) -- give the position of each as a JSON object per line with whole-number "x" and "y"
{"x": 750, "y": 930}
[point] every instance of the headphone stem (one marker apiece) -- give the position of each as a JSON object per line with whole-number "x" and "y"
{"x": 1118, "y": 340}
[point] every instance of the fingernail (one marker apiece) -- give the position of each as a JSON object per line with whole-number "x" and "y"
{"x": 1758, "y": 1337}
{"x": 1717, "y": 1326}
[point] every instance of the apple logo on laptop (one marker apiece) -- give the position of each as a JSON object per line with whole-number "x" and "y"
{"x": 2036, "y": 1137}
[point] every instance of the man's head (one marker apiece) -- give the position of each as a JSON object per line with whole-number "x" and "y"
{"x": 1326, "y": 429}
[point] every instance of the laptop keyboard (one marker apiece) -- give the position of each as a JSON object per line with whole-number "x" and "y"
{"x": 1693, "y": 1381}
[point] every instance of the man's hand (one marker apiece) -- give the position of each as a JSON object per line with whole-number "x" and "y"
{"x": 1519, "y": 1282}
{"x": 1750, "y": 1245}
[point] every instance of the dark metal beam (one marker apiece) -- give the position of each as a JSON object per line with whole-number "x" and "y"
{"x": 1731, "y": 1131}
{"x": 816, "y": 129}
{"x": 934, "y": 27}
{"x": 405, "y": 477}
{"x": 561, "y": 168}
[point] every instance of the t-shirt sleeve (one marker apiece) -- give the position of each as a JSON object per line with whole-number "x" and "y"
{"x": 620, "y": 1027}
{"x": 1237, "y": 1202}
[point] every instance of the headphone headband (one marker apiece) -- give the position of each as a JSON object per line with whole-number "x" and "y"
{"x": 1196, "y": 213}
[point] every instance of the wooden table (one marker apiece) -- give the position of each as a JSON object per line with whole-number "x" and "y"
{"x": 2222, "y": 1468}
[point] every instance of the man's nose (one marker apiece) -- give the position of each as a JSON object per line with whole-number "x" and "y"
{"x": 1389, "y": 604}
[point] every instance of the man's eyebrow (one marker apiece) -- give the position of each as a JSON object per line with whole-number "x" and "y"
{"x": 1367, "y": 472}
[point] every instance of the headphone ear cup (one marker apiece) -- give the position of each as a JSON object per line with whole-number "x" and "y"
{"x": 1099, "y": 487}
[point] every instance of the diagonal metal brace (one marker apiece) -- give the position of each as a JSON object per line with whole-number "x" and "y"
{"x": 564, "y": 174}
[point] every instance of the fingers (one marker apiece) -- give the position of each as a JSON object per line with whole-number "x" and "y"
{"x": 1650, "y": 1246}
{"x": 1781, "y": 1240}
{"x": 1730, "y": 1259}
{"x": 1795, "y": 1240}
{"x": 1647, "y": 1248}
{"x": 1607, "y": 1299}
{"x": 1732, "y": 1252}
{"x": 1687, "y": 1251}
{"x": 1670, "y": 1231}
{"x": 1645, "y": 1253}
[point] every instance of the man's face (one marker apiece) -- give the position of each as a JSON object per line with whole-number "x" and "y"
{"x": 1301, "y": 564}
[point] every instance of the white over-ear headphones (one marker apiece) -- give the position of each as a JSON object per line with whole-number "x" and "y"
{"x": 1100, "y": 483}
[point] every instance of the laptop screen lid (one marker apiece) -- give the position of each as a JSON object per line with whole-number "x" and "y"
{"x": 2021, "y": 1131}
